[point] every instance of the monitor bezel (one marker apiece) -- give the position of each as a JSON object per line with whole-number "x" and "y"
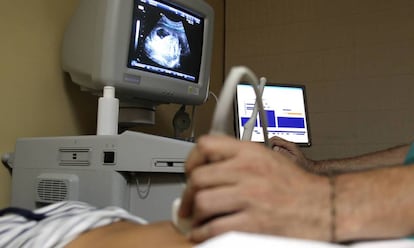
{"x": 100, "y": 57}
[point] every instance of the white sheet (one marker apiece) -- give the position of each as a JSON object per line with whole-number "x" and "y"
{"x": 248, "y": 240}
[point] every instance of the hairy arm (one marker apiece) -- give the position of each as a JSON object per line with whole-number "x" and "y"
{"x": 385, "y": 158}
{"x": 375, "y": 204}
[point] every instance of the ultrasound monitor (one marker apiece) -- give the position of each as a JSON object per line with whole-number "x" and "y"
{"x": 285, "y": 109}
{"x": 151, "y": 51}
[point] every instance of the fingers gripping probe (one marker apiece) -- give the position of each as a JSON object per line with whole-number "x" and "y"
{"x": 219, "y": 123}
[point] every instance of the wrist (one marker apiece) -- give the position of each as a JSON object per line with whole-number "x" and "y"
{"x": 313, "y": 166}
{"x": 324, "y": 208}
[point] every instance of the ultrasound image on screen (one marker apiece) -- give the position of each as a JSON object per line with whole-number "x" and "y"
{"x": 166, "y": 40}
{"x": 167, "y": 43}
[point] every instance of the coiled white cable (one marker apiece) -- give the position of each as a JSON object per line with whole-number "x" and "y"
{"x": 226, "y": 97}
{"x": 249, "y": 126}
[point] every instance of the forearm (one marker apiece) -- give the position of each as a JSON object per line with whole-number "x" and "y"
{"x": 380, "y": 159}
{"x": 375, "y": 204}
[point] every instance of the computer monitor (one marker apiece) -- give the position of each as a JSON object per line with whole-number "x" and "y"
{"x": 151, "y": 51}
{"x": 286, "y": 112}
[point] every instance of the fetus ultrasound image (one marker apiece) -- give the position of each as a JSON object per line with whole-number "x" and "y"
{"x": 166, "y": 43}
{"x": 166, "y": 40}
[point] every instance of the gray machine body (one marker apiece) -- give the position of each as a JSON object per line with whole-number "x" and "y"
{"x": 139, "y": 172}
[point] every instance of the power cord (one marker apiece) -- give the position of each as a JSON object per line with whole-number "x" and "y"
{"x": 7, "y": 159}
{"x": 192, "y": 136}
{"x": 213, "y": 95}
{"x": 142, "y": 193}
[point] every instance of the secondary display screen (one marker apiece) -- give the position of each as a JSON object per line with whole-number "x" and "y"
{"x": 285, "y": 109}
{"x": 166, "y": 39}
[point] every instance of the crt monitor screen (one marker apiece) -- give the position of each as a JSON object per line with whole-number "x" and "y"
{"x": 285, "y": 109}
{"x": 166, "y": 39}
{"x": 152, "y": 51}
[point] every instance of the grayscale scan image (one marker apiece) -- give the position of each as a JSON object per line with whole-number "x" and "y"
{"x": 166, "y": 43}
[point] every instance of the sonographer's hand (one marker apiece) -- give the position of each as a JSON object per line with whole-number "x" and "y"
{"x": 235, "y": 185}
{"x": 292, "y": 151}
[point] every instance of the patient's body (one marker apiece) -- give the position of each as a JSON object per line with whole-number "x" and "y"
{"x": 127, "y": 234}
{"x": 78, "y": 224}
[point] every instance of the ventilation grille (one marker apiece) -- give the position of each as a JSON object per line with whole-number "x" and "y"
{"x": 52, "y": 190}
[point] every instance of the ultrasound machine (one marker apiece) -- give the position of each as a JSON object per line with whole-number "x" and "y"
{"x": 144, "y": 53}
